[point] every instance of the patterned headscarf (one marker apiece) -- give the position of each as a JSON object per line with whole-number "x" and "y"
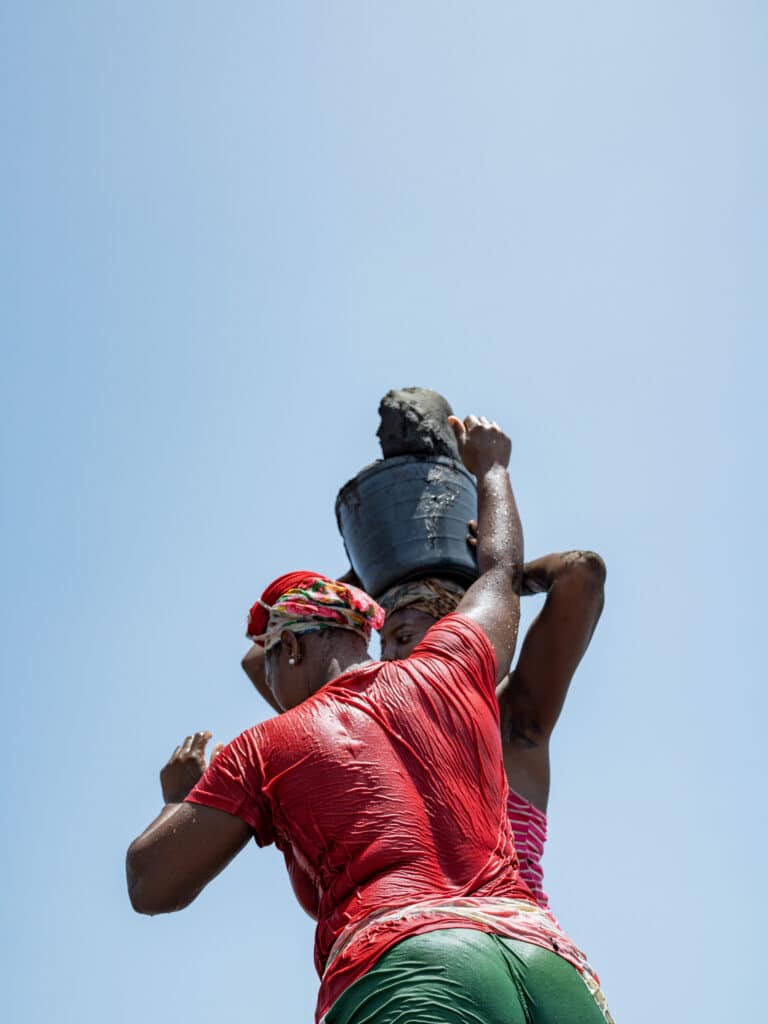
{"x": 306, "y": 602}
{"x": 433, "y": 596}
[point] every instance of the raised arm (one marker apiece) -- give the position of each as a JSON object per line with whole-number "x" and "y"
{"x": 253, "y": 666}
{"x": 531, "y": 699}
{"x": 186, "y": 845}
{"x": 555, "y": 643}
{"x": 493, "y": 600}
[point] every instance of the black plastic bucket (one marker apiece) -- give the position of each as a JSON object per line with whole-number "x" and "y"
{"x": 405, "y": 518}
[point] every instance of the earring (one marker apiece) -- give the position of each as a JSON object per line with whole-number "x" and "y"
{"x": 291, "y": 661}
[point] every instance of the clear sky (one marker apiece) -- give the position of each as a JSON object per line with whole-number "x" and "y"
{"x": 228, "y": 229}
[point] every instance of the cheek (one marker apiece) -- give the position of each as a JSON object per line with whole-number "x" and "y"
{"x": 274, "y": 682}
{"x": 395, "y": 651}
{"x": 270, "y": 675}
{"x": 282, "y": 694}
{"x": 288, "y": 687}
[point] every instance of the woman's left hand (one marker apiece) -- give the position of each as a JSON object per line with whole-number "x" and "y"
{"x": 185, "y": 767}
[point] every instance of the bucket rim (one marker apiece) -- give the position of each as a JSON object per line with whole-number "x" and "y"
{"x": 376, "y": 467}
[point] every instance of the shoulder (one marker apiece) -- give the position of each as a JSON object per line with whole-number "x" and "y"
{"x": 455, "y": 633}
{"x": 459, "y": 648}
{"x": 244, "y": 751}
{"x": 256, "y": 747}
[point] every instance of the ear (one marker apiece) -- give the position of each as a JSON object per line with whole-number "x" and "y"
{"x": 292, "y": 646}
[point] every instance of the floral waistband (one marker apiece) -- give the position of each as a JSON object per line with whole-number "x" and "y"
{"x": 510, "y": 918}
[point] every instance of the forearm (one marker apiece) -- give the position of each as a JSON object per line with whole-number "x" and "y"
{"x": 493, "y": 601}
{"x": 554, "y": 645}
{"x": 500, "y": 534}
{"x": 541, "y": 574}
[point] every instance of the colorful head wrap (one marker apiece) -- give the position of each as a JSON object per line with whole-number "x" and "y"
{"x": 305, "y": 602}
{"x": 433, "y": 596}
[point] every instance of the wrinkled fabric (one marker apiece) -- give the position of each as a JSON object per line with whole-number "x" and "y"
{"x": 383, "y": 789}
{"x": 433, "y": 596}
{"x": 308, "y": 602}
{"x": 523, "y": 920}
{"x": 529, "y": 826}
{"x": 457, "y": 976}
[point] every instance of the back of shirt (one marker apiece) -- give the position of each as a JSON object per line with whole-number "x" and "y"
{"x": 386, "y": 787}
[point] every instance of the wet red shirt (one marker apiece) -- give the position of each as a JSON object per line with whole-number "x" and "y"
{"x": 383, "y": 789}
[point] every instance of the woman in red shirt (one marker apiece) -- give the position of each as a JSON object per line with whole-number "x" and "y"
{"x": 383, "y": 785}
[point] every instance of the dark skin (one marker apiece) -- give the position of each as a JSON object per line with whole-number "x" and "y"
{"x": 187, "y": 845}
{"x": 254, "y": 660}
{"x": 254, "y": 667}
{"x": 532, "y": 696}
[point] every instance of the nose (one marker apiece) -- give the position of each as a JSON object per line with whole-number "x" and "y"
{"x": 388, "y": 652}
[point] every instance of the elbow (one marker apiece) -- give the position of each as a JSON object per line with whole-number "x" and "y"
{"x": 139, "y": 879}
{"x": 139, "y": 900}
{"x": 590, "y": 567}
{"x": 582, "y": 581}
{"x": 252, "y": 664}
{"x": 149, "y": 892}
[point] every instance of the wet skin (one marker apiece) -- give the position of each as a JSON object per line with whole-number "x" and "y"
{"x": 188, "y": 844}
{"x": 531, "y": 697}
{"x": 402, "y": 631}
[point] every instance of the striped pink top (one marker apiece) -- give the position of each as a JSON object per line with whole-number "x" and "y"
{"x": 530, "y": 827}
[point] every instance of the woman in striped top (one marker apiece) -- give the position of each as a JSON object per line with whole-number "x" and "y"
{"x": 532, "y": 696}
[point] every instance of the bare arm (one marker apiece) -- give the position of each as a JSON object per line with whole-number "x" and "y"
{"x": 554, "y": 645}
{"x": 176, "y": 856}
{"x": 253, "y": 666}
{"x": 186, "y": 845}
{"x": 493, "y": 601}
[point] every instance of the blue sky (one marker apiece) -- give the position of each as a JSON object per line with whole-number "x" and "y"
{"x": 228, "y": 230}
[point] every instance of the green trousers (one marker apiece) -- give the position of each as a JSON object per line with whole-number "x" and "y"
{"x": 463, "y": 976}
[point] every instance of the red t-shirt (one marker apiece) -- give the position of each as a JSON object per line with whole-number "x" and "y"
{"x": 383, "y": 789}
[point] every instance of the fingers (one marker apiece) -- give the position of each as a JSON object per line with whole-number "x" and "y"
{"x": 481, "y": 443}
{"x": 199, "y": 743}
{"x": 458, "y": 429}
{"x": 216, "y": 751}
{"x": 193, "y": 746}
{"x": 184, "y": 768}
{"x": 471, "y": 422}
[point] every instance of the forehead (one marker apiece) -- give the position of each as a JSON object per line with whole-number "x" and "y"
{"x": 407, "y": 617}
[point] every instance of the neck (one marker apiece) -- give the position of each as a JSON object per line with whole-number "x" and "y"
{"x": 348, "y": 652}
{"x": 337, "y": 667}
